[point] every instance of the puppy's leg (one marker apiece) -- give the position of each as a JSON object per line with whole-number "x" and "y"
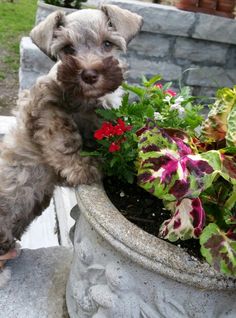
{"x": 5, "y": 273}
{"x": 25, "y": 191}
{"x": 57, "y": 135}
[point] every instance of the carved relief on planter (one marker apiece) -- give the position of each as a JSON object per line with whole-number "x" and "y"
{"x": 107, "y": 291}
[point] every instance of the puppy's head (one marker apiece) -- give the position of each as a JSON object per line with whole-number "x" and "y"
{"x": 88, "y": 43}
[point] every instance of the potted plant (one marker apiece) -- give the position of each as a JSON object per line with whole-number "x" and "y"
{"x": 223, "y": 8}
{"x": 76, "y": 4}
{"x": 45, "y": 7}
{"x": 161, "y": 142}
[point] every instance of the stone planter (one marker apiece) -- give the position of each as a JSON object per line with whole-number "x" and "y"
{"x": 119, "y": 270}
{"x": 45, "y": 9}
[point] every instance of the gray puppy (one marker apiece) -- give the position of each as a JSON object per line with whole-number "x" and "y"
{"x": 56, "y": 118}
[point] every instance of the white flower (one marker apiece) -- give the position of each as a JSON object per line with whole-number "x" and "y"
{"x": 181, "y": 110}
{"x": 167, "y": 99}
{"x": 175, "y": 106}
{"x": 179, "y": 99}
{"x": 158, "y": 116}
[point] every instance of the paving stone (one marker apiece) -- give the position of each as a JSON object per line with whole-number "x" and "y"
{"x": 34, "y": 63}
{"x": 232, "y": 75}
{"x": 150, "y": 44}
{"x": 38, "y": 284}
{"x": 139, "y": 67}
{"x": 27, "y": 78}
{"x": 214, "y": 28}
{"x": 159, "y": 20}
{"x": 200, "y": 51}
{"x": 32, "y": 58}
{"x": 208, "y": 76}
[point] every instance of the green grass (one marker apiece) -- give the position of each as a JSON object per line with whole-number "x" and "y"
{"x": 2, "y": 76}
{"x": 16, "y": 20}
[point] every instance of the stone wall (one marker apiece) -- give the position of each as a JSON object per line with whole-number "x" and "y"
{"x": 197, "y": 49}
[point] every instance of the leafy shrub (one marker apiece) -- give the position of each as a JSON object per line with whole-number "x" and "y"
{"x": 76, "y": 4}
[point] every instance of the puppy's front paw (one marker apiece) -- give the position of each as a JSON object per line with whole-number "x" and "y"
{"x": 91, "y": 175}
{"x": 86, "y": 173}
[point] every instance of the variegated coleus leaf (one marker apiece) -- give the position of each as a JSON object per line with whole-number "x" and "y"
{"x": 167, "y": 166}
{"x": 187, "y": 221}
{"x": 231, "y": 131}
{"x": 220, "y": 123}
{"x": 223, "y": 165}
{"x": 219, "y": 248}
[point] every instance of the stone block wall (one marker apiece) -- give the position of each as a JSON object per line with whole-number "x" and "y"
{"x": 33, "y": 63}
{"x": 197, "y": 49}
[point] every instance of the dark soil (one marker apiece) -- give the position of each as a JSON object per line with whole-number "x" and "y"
{"x": 144, "y": 210}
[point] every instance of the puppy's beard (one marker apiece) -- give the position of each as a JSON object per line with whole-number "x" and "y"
{"x": 110, "y": 77}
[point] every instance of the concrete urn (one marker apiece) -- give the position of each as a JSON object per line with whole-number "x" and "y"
{"x": 44, "y": 9}
{"x": 120, "y": 271}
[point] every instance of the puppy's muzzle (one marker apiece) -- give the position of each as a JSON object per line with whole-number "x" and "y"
{"x": 81, "y": 77}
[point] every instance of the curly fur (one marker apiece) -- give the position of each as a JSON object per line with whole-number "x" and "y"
{"x": 56, "y": 118}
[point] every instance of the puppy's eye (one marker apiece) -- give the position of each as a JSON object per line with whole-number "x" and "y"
{"x": 107, "y": 45}
{"x": 69, "y": 49}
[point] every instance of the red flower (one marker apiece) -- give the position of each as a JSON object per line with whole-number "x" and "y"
{"x": 118, "y": 131}
{"x": 170, "y": 92}
{"x": 108, "y": 130}
{"x": 159, "y": 85}
{"x": 98, "y": 134}
{"x": 128, "y": 128}
{"x": 114, "y": 147}
{"x": 121, "y": 125}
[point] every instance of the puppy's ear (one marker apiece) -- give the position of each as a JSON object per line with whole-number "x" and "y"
{"x": 43, "y": 33}
{"x": 127, "y": 23}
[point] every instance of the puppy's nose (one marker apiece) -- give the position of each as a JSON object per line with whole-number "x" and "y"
{"x": 89, "y": 76}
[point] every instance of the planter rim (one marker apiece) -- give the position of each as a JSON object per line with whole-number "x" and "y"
{"x": 145, "y": 249}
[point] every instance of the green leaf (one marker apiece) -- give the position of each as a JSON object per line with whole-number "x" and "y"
{"x": 167, "y": 86}
{"x": 125, "y": 100}
{"x": 129, "y": 176}
{"x": 114, "y": 160}
{"x": 153, "y": 80}
{"x": 229, "y": 204}
{"x": 230, "y": 217}
{"x": 149, "y": 111}
{"x": 216, "y": 126}
{"x": 185, "y": 91}
{"x": 144, "y": 80}
{"x": 134, "y": 89}
{"x": 89, "y": 153}
{"x": 218, "y": 249}
{"x": 231, "y": 131}
{"x": 107, "y": 114}
{"x": 228, "y": 150}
